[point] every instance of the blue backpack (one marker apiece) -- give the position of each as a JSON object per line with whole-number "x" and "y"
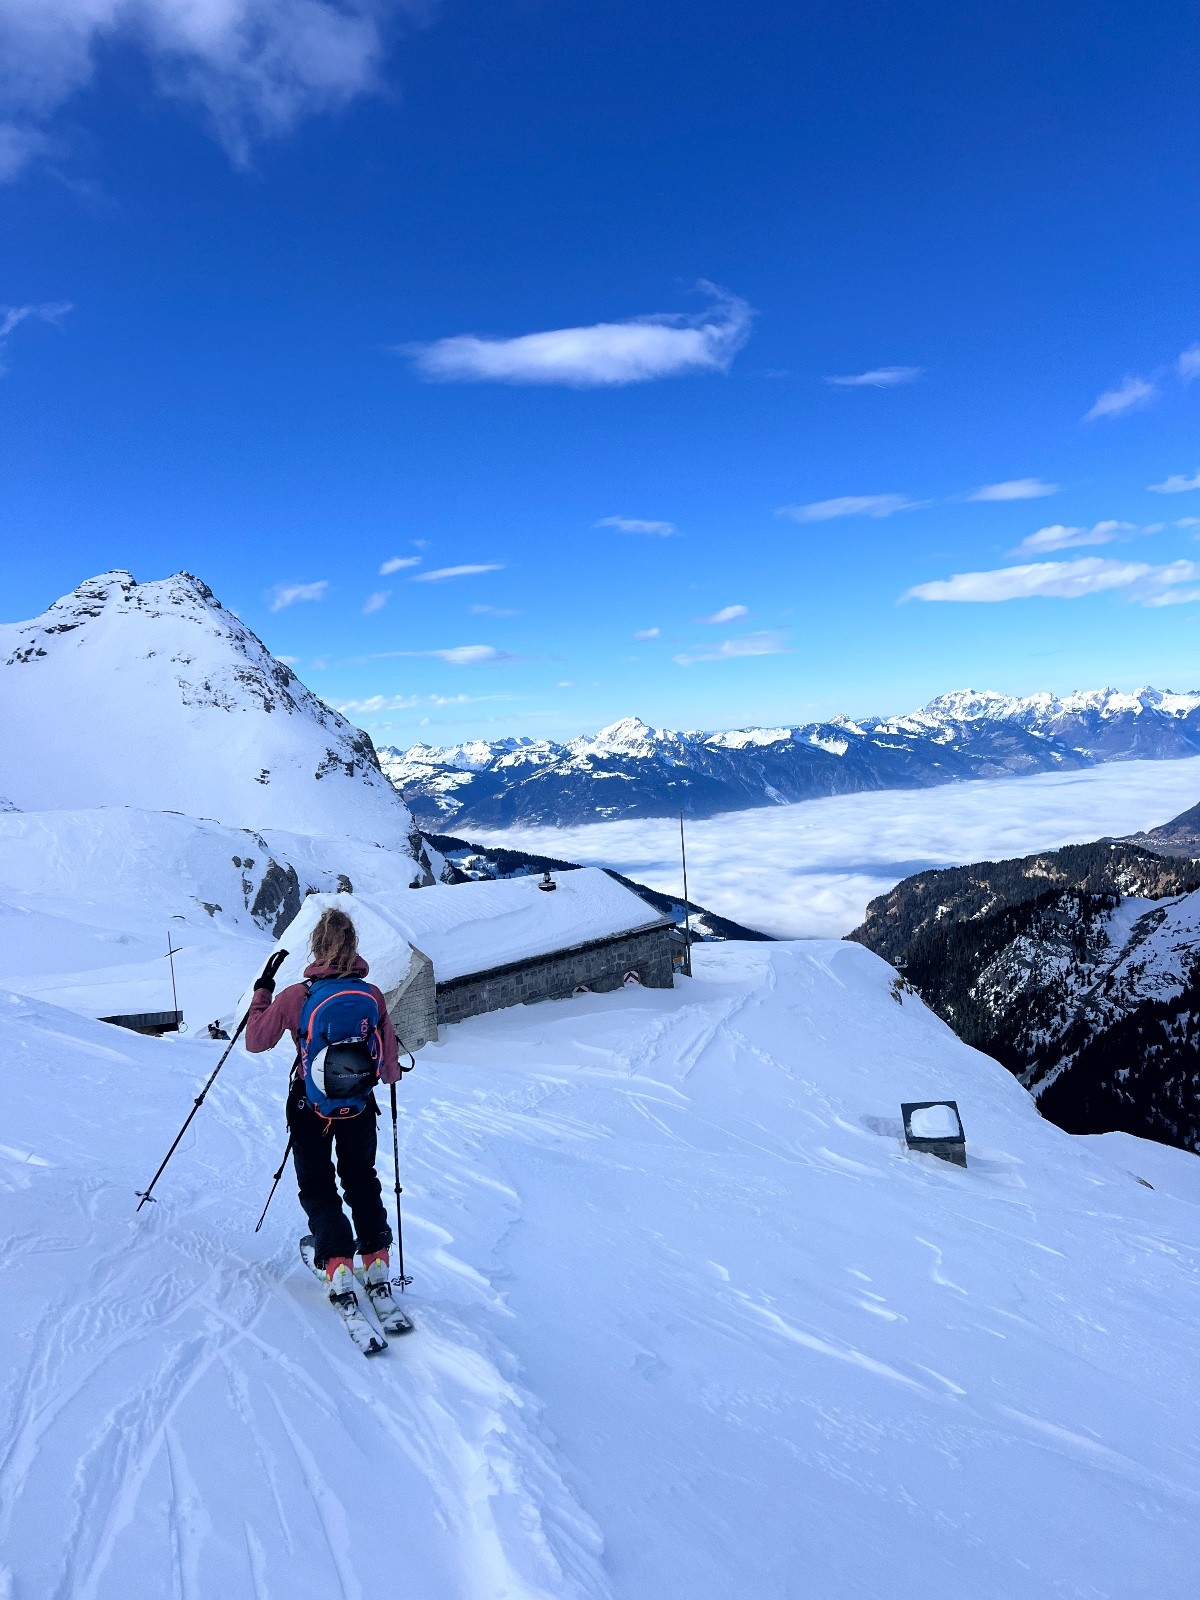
{"x": 340, "y": 1046}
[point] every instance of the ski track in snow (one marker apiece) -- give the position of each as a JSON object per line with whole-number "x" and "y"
{"x": 689, "y": 1319}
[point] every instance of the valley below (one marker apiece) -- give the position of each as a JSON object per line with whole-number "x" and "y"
{"x": 809, "y": 870}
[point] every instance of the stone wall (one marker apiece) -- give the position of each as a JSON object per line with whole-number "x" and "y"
{"x": 412, "y": 1005}
{"x": 599, "y": 965}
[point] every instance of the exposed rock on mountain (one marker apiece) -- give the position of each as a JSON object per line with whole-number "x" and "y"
{"x": 1079, "y": 969}
{"x": 155, "y": 695}
{"x": 631, "y": 769}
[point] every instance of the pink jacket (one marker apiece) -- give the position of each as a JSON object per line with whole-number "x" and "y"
{"x": 271, "y": 1018}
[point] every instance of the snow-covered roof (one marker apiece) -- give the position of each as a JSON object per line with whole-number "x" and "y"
{"x": 473, "y": 927}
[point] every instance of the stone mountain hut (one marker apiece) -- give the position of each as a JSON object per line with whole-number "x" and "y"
{"x": 452, "y": 951}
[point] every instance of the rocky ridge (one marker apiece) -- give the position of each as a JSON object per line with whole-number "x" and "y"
{"x": 1078, "y": 969}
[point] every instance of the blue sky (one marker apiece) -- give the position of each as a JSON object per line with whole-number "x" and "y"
{"x": 298, "y": 289}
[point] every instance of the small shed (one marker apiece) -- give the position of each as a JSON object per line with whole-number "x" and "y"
{"x": 150, "y": 1022}
{"x": 496, "y": 943}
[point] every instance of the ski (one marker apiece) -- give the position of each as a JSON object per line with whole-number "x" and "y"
{"x": 365, "y": 1338}
{"x": 392, "y": 1316}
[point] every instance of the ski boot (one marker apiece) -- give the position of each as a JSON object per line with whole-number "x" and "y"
{"x": 344, "y": 1300}
{"x": 375, "y": 1277}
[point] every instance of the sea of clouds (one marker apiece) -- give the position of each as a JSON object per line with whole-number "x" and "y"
{"x": 808, "y": 870}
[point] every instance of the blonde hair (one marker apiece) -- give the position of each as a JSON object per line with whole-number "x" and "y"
{"x": 335, "y": 941}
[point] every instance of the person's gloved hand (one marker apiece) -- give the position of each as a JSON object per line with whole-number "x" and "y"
{"x": 267, "y": 978}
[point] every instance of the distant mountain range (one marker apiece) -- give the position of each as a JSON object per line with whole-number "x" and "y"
{"x": 1078, "y": 968}
{"x": 633, "y": 770}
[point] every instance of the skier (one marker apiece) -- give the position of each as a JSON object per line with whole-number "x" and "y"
{"x": 345, "y": 1042}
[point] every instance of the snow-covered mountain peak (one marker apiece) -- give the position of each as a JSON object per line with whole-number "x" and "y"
{"x": 974, "y": 705}
{"x": 748, "y": 738}
{"x": 155, "y": 695}
{"x": 179, "y": 617}
{"x": 967, "y": 705}
{"x": 626, "y": 734}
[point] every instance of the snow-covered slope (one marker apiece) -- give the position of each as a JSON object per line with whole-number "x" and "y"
{"x": 89, "y": 898}
{"x": 154, "y": 695}
{"x": 690, "y": 1320}
{"x": 631, "y": 769}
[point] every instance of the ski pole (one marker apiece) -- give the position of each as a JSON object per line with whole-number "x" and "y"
{"x": 403, "y": 1280}
{"x": 275, "y": 1184}
{"x": 272, "y": 967}
{"x": 147, "y": 1193}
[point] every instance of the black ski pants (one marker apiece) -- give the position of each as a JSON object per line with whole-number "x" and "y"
{"x": 315, "y": 1143}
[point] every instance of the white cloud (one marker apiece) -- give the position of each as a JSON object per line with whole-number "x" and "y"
{"x": 1187, "y": 522}
{"x": 1058, "y": 537}
{"x": 11, "y": 317}
{"x": 1176, "y": 483}
{"x": 1173, "y": 597}
{"x": 51, "y": 311}
{"x": 288, "y": 594}
{"x": 471, "y": 570}
{"x": 1014, "y": 489}
{"x": 1188, "y": 363}
{"x": 20, "y": 147}
{"x": 655, "y": 530}
{"x": 378, "y": 702}
{"x": 459, "y": 655}
{"x": 470, "y": 655}
{"x": 1062, "y": 580}
{"x": 254, "y": 67}
{"x": 376, "y": 602}
{"x": 398, "y": 564}
{"x": 648, "y": 633}
{"x": 807, "y": 870}
{"x": 289, "y": 661}
{"x": 605, "y": 353}
{"x": 1129, "y": 395}
{"x": 726, "y": 614}
{"x": 851, "y": 505}
{"x": 877, "y": 378}
{"x": 493, "y": 611}
{"x": 751, "y": 644}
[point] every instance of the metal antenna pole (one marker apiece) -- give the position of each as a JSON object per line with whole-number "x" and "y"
{"x": 171, "y": 959}
{"x": 687, "y": 919}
